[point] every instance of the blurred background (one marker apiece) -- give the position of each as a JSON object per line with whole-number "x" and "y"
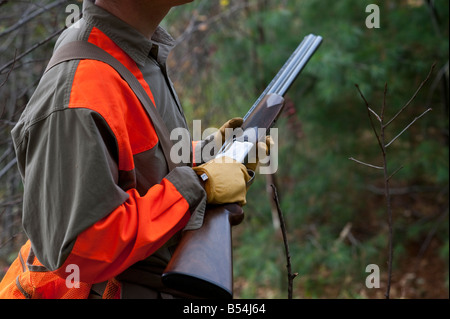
{"x": 227, "y": 53}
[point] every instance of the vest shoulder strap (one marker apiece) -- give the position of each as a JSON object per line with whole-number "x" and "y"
{"x": 79, "y": 50}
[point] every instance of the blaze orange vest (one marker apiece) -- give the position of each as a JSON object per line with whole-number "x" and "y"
{"x": 27, "y": 278}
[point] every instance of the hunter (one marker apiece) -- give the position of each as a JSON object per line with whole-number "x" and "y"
{"x": 99, "y": 197}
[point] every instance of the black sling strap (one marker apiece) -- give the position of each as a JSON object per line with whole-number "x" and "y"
{"x": 80, "y": 50}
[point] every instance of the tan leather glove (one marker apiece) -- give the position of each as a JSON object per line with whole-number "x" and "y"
{"x": 210, "y": 146}
{"x": 233, "y": 123}
{"x": 225, "y": 181}
{"x": 219, "y": 136}
{"x": 262, "y": 151}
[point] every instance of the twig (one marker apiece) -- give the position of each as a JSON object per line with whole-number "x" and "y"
{"x": 8, "y": 167}
{"x": 12, "y": 203}
{"x": 370, "y": 165}
{"x": 376, "y": 115}
{"x": 6, "y": 79}
{"x": 10, "y": 70}
{"x": 10, "y": 239}
{"x": 407, "y": 127}
{"x": 291, "y": 275}
{"x": 27, "y": 19}
{"x": 34, "y": 47}
{"x": 395, "y": 172}
{"x": 370, "y": 117}
{"x": 413, "y": 97}
{"x": 195, "y": 26}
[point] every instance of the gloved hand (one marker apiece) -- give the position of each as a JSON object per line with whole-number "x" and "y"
{"x": 225, "y": 181}
{"x": 220, "y": 135}
{"x": 207, "y": 149}
{"x": 262, "y": 151}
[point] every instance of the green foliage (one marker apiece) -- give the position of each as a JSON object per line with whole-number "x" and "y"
{"x": 321, "y": 190}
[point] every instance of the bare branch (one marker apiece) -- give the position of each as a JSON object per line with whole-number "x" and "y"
{"x": 383, "y": 109}
{"x": 382, "y": 143}
{"x": 27, "y": 19}
{"x": 376, "y": 115}
{"x": 194, "y": 26}
{"x": 10, "y": 239}
{"x": 10, "y": 70}
{"x": 34, "y": 47}
{"x": 8, "y": 167}
{"x": 291, "y": 275}
{"x": 440, "y": 79}
{"x": 395, "y": 172}
{"x": 6, "y": 153}
{"x": 409, "y": 125}
{"x": 370, "y": 117}
{"x": 7, "y": 122}
{"x": 369, "y": 165}
{"x": 6, "y": 79}
{"x": 12, "y": 202}
{"x": 413, "y": 97}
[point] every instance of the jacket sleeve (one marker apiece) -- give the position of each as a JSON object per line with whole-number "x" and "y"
{"x": 74, "y": 210}
{"x": 132, "y": 232}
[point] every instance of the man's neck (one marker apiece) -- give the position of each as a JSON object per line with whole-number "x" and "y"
{"x": 142, "y": 16}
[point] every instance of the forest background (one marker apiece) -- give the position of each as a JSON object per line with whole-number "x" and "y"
{"x": 227, "y": 52}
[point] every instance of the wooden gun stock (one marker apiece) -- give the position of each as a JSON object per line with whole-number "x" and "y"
{"x": 202, "y": 264}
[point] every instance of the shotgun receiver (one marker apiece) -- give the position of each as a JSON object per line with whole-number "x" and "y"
{"x": 202, "y": 266}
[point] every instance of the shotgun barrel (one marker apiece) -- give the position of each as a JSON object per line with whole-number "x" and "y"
{"x": 202, "y": 266}
{"x": 290, "y": 70}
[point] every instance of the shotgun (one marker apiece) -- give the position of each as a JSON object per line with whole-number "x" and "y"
{"x": 202, "y": 265}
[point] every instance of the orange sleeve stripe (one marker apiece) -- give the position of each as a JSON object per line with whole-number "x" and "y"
{"x": 132, "y": 232}
{"x": 110, "y": 96}
{"x": 194, "y": 145}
